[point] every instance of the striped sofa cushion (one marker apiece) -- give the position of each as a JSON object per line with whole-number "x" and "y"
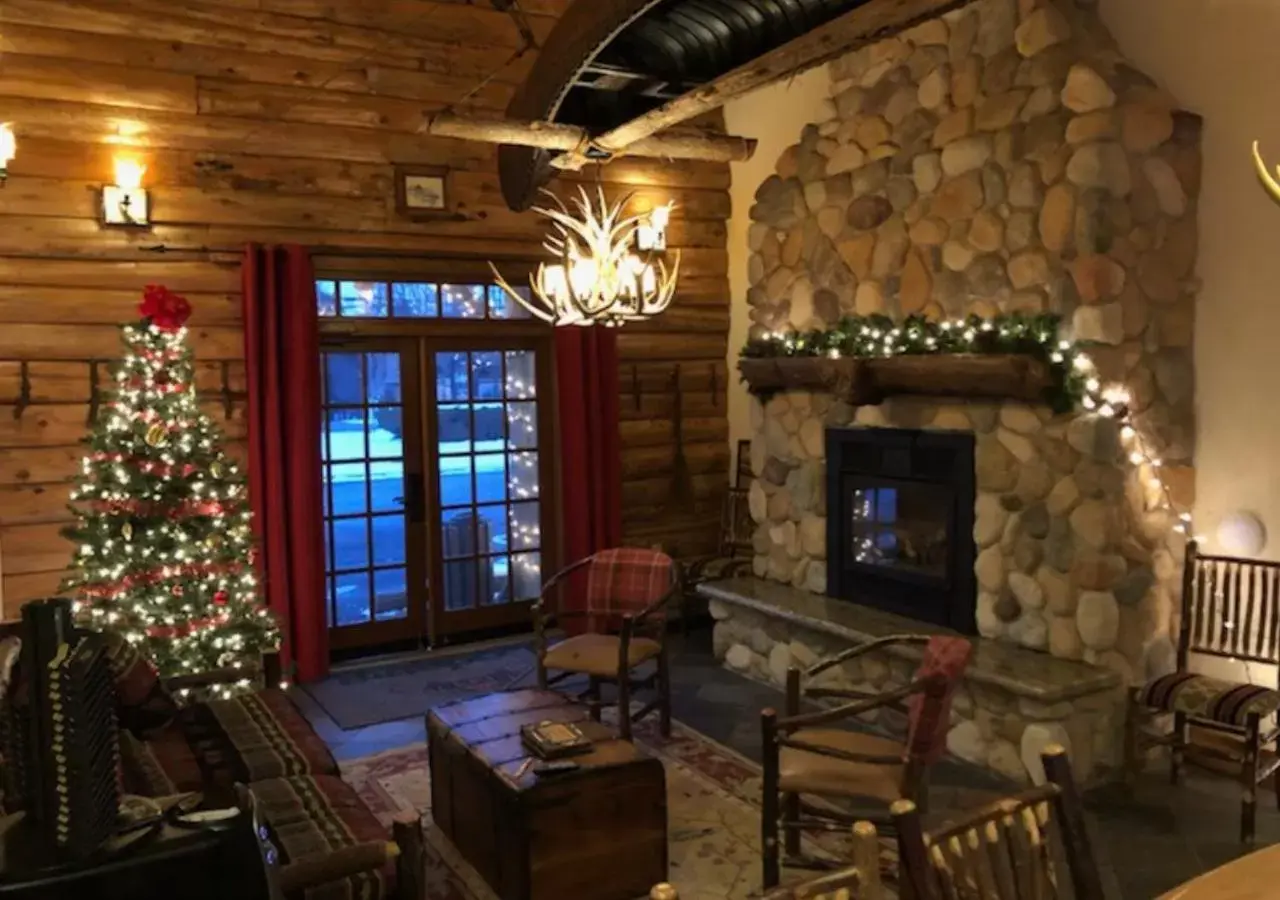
{"x": 212, "y": 746}
{"x": 1201, "y": 697}
{"x": 310, "y": 819}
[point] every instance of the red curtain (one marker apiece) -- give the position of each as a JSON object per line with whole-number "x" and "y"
{"x": 282, "y": 361}
{"x": 590, "y": 450}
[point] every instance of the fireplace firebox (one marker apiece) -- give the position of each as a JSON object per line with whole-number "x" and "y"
{"x": 900, "y": 522}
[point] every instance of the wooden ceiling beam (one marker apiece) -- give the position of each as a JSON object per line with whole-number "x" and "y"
{"x": 868, "y": 23}
{"x": 689, "y": 144}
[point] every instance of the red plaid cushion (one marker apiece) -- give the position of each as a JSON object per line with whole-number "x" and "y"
{"x": 627, "y": 580}
{"x": 929, "y": 713}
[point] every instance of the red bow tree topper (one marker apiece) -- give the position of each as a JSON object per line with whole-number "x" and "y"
{"x": 166, "y": 310}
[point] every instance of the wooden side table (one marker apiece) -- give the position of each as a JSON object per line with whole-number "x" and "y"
{"x": 1251, "y": 877}
{"x": 598, "y": 833}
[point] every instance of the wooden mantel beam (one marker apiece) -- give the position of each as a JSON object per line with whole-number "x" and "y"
{"x": 688, "y": 144}
{"x": 868, "y": 23}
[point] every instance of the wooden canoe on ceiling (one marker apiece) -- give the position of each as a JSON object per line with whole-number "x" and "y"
{"x": 624, "y": 70}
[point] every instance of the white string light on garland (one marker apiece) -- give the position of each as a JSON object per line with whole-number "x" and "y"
{"x": 877, "y": 337}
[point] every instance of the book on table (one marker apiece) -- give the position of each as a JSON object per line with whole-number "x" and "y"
{"x": 554, "y": 740}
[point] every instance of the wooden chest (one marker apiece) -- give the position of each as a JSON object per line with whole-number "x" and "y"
{"x": 599, "y": 833}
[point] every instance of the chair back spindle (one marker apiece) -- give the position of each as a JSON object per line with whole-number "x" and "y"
{"x": 1230, "y": 608}
{"x": 1032, "y": 845}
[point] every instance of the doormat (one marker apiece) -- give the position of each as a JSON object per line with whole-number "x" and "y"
{"x": 370, "y": 695}
{"x": 713, "y": 818}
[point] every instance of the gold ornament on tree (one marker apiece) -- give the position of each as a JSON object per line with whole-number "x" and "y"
{"x": 157, "y": 436}
{"x": 126, "y": 531}
{"x": 216, "y": 470}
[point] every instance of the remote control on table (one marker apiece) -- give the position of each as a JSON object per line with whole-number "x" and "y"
{"x": 555, "y": 768}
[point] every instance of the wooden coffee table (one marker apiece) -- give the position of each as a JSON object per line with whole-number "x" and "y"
{"x": 599, "y": 833}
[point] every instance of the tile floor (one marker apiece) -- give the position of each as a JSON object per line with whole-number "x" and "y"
{"x": 1148, "y": 839}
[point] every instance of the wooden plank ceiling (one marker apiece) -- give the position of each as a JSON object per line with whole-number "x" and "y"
{"x": 280, "y": 121}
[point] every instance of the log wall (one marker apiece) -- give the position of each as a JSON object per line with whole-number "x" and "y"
{"x": 280, "y": 121}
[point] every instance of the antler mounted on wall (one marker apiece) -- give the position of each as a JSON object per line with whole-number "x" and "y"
{"x": 1269, "y": 181}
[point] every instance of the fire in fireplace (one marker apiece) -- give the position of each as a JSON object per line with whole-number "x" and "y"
{"x": 900, "y": 522}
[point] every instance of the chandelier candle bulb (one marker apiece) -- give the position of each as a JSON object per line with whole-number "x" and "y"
{"x": 598, "y": 275}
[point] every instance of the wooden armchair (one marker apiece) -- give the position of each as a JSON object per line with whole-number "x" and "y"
{"x": 620, "y": 626}
{"x": 733, "y": 552}
{"x": 802, "y": 757}
{"x": 1231, "y": 611}
{"x": 861, "y": 881}
{"x": 1034, "y": 844}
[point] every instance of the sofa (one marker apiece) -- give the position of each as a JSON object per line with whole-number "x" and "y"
{"x": 330, "y": 846}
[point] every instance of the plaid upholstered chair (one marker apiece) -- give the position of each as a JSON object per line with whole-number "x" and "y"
{"x": 1230, "y": 611}
{"x": 1033, "y": 844}
{"x": 616, "y": 624}
{"x": 802, "y": 756}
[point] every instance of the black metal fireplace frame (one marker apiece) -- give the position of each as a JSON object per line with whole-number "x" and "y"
{"x": 951, "y": 602}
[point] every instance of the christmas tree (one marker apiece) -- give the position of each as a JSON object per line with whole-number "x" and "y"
{"x": 164, "y": 539}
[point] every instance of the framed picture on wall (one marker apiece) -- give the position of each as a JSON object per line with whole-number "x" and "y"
{"x": 422, "y": 192}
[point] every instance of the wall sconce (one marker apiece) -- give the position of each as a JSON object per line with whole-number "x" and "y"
{"x": 8, "y": 149}
{"x": 126, "y": 201}
{"x": 1241, "y": 533}
{"x": 651, "y": 233}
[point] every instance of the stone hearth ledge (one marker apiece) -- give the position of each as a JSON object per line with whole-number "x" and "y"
{"x": 1025, "y": 673}
{"x": 1012, "y": 703}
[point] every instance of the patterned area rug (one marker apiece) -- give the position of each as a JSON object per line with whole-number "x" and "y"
{"x": 712, "y": 801}
{"x": 356, "y": 698}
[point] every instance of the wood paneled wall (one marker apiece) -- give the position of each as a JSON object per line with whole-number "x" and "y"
{"x": 280, "y": 121}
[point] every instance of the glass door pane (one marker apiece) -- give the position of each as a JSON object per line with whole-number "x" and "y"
{"x": 488, "y": 482}
{"x": 370, "y": 491}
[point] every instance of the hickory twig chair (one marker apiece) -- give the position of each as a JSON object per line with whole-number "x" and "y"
{"x": 861, "y": 881}
{"x": 733, "y": 554}
{"x": 1031, "y": 845}
{"x": 620, "y": 625}
{"x": 802, "y": 757}
{"x": 1231, "y": 611}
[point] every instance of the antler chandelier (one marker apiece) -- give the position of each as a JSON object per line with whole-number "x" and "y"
{"x": 607, "y": 267}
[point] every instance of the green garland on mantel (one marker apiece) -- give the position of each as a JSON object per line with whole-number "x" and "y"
{"x": 1073, "y": 382}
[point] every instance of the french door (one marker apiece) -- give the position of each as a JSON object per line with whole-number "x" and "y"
{"x": 436, "y": 460}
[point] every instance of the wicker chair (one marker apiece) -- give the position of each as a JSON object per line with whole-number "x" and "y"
{"x": 619, "y": 626}
{"x": 1230, "y": 610}
{"x": 1034, "y": 844}
{"x": 802, "y": 757}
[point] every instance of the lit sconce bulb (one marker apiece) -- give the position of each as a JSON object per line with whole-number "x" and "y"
{"x": 8, "y": 149}
{"x": 126, "y": 202}
{"x": 1186, "y": 517}
{"x": 1092, "y": 385}
{"x": 1127, "y": 432}
{"x": 1082, "y": 362}
{"x": 129, "y": 173}
{"x": 1136, "y": 458}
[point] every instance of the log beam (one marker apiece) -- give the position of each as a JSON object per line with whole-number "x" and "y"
{"x": 867, "y": 24}
{"x": 690, "y": 144}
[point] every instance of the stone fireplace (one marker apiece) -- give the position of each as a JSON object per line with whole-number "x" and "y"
{"x": 1003, "y": 158}
{"x": 900, "y": 522}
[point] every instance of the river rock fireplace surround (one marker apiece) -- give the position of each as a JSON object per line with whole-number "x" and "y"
{"x": 1002, "y": 158}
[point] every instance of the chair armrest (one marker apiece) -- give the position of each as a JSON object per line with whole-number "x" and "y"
{"x": 334, "y": 865}
{"x": 206, "y": 679}
{"x": 823, "y": 664}
{"x": 822, "y": 717}
{"x": 872, "y": 759}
